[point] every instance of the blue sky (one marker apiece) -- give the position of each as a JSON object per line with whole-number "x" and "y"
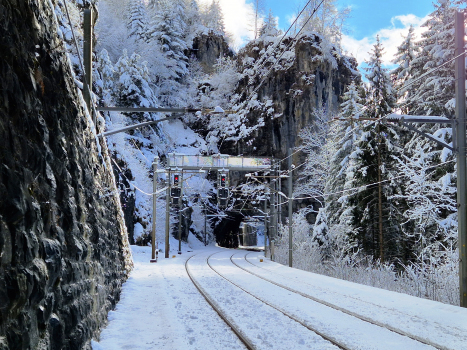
{"x": 367, "y": 16}
{"x": 390, "y": 19}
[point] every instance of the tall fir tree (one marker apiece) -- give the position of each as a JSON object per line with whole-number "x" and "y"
{"x": 167, "y": 32}
{"x": 269, "y": 27}
{"x": 132, "y": 88}
{"x": 374, "y": 216}
{"x": 403, "y": 73}
{"x": 434, "y": 93}
{"x": 430, "y": 220}
{"x": 138, "y": 20}
{"x": 215, "y": 19}
{"x": 346, "y": 133}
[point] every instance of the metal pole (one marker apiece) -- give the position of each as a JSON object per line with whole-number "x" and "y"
{"x": 154, "y": 202}
{"x": 272, "y": 222}
{"x": 180, "y": 230}
{"x": 180, "y": 216}
{"x": 87, "y": 58}
{"x": 279, "y": 214}
{"x": 290, "y": 207}
{"x": 265, "y": 228}
{"x": 167, "y": 216}
{"x": 461, "y": 161}
{"x": 205, "y": 219}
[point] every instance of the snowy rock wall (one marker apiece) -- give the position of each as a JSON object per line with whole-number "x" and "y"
{"x": 313, "y": 76}
{"x": 64, "y": 250}
{"x": 208, "y": 48}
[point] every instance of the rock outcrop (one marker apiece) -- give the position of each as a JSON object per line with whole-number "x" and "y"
{"x": 64, "y": 250}
{"x": 311, "y": 76}
{"x": 308, "y": 80}
{"x": 208, "y": 48}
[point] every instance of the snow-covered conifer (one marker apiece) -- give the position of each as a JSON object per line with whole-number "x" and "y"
{"x": 346, "y": 133}
{"x": 434, "y": 93}
{"x": 138, "y": 20}
{"x": 320, "y": 228}
{"x": 214, "y": 18}
{"x": 327, "y": 21}
{"x": 406, "y": 53}
{"x": 374, "y": 217}
{"x": 132, "y": 87}
{"x": 106, "y": 71}
{"x": 168, "y": 30}
{"x": 269, "y": 27}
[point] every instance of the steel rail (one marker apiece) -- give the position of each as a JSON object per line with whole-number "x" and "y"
{"x": 245, "y": 341}
{"x": 346, "y": 311}
{"x": 285, "y": 313}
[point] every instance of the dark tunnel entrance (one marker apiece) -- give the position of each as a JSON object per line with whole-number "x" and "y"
{"x": 227, "y": 230}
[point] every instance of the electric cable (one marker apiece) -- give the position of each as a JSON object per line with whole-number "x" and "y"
{"x": 132, "y": 184}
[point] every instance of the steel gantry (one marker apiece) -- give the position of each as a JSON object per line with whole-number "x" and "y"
{"x": 222, "y": 163}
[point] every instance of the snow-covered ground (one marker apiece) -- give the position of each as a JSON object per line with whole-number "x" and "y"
{"x": 161, "y": 308}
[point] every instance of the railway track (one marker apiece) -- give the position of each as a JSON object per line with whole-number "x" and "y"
{"x": 242, "y": 337}
{"x": 344, "y": 310}
{"x": 434, "y": 326}
{"x": 248, "y": 340}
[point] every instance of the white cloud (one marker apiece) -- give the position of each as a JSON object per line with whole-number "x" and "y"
{"x": 237, "y": 19}
{"x": 390, "y": 38}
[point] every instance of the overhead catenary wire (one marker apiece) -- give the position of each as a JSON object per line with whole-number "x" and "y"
{"x": 354, "y": 188}
{"x": 136, "y": 187}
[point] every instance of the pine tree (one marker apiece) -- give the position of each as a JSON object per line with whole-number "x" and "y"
{"x": 193, "y": 14}
{"x": 214, "y": 19}
{"x": 167, "y": 30}
{"x": 406, "y": 53}
{"x": 374, "y": 216}
{"x": 434, "y": 93}
{"x": 321, "y": 229}
{"x": 269, "y": 27}
{"x": 138, "y": 20}
{"x": 132, "y": 87}
{"x": 327, "y": 21}
{"x": 346, "y": 133}
{"x": 430, "y": 189}
{"x": 106, "y": 71}
{"x": 430, "y": 224}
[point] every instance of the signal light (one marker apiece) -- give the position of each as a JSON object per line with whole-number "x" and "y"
{"x": 176, "y": 179}
{"x": 223, "y": 180}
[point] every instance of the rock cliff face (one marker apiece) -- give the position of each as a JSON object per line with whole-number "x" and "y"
{"x": 64, "y": 250}
{"x": 208, "y": 48}
{"x": 313, "y": 76}
{"x": 309, "y": 80}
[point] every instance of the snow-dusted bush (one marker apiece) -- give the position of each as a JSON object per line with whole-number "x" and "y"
{"x": 434, "y": 281}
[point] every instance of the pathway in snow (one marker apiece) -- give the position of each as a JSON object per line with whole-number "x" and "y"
{"x": 160, "y": 308}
